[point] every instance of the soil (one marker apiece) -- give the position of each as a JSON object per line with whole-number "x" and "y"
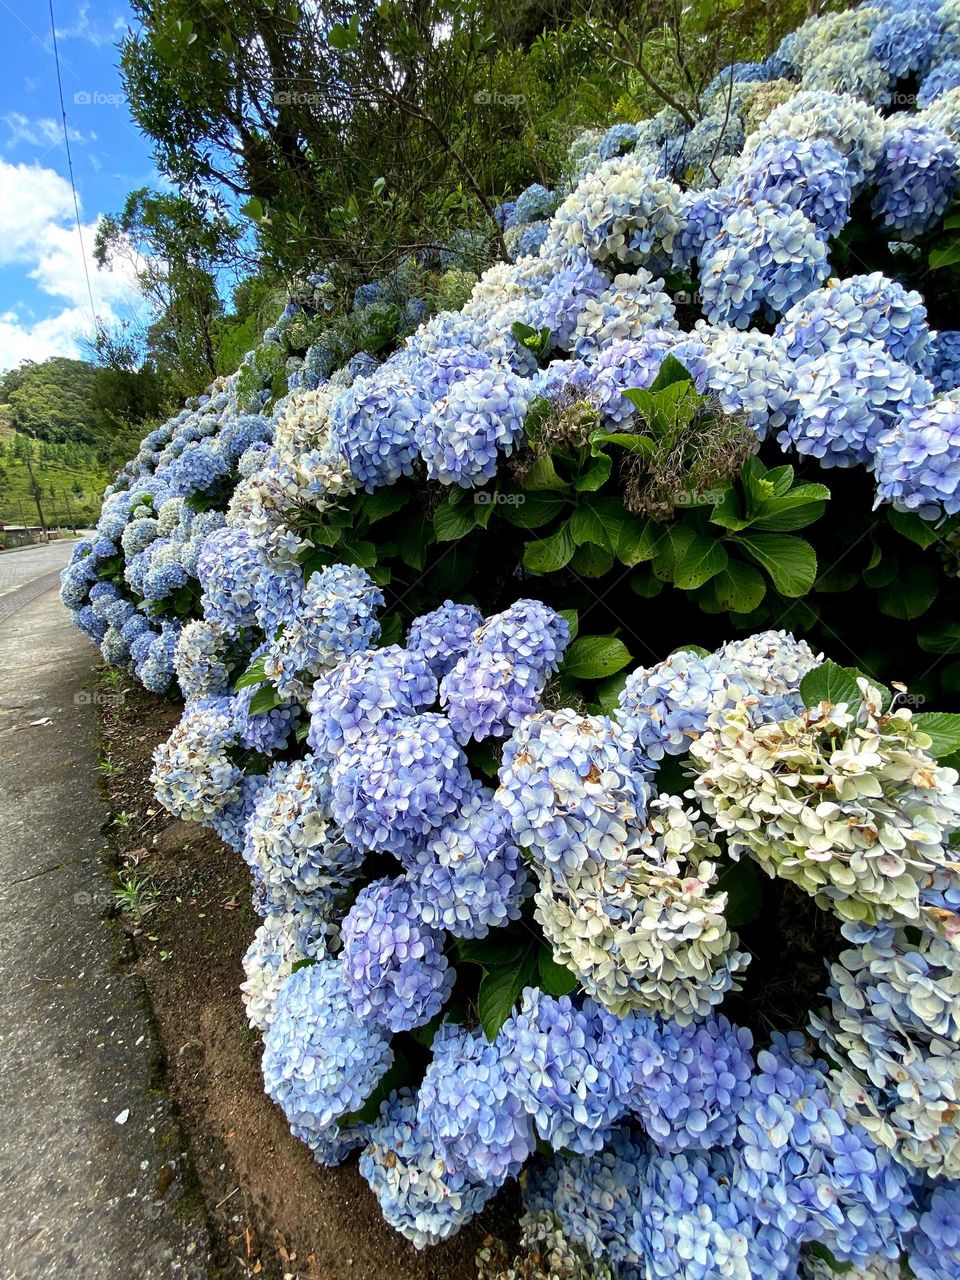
{"x": 273, "y": 1212}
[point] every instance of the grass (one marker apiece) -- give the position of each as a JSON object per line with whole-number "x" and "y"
{"x": 136, "y": 896}
{"x": 55, "y": 480}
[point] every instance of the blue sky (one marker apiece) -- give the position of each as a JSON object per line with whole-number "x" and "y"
{"x": 44, "y": 306}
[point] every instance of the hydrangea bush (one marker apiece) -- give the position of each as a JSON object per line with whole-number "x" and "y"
{"x": 668, "y": 931}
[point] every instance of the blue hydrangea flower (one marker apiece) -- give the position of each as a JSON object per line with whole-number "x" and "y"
{"x": 566, "y": 1066}
{"x": 558, "y": 308}
{"x": 366, "y": 688}
{"x": 631, "y": 305}
{"x": 401, "y": 782}
{"x": 487, "y": 695}
{"x": 334, "y": 618}
{"x": 193, "y": 774}
{"x": 807, "y": 1171}
{"x": 444, "y": 634}
{"x": 393, "y": 963}
{"x": 905, "y": 43}
{"x": 294, "y": 842}
{"x": 568, "y": 787}
{"x": 633, "y": 364}
{"x": 462, "y": 436}
{"x": 320, "y": 1061}
{"x": 593, "y": 1196}
{"x": 847, "y": 399}
{"x": 664, "y": 708}
{"x": 419, "y": 1195}
{"x": 528, "y": 631}
{"x": 868, "y": 307}
{"x": 531, "y": 205}
{"x": 373, "y": 425}
{"x": 751, "y": 375}
{"x": 934, "y": 1249}
{"x": 944, "y": 350}
{"x": 470, "y": 876}
{"x": 809, "y": 175}
{"x": 468, "y": 1110}
{"x": 938, "y": 81}
{"x": 763, "y": 259}
{"x": 917, "y": 460}
{"x": 618, "y": 139}
{"x": 916, "y": 178}
{"x": 229, "y": 566}
{"x": 689, "y": 1081}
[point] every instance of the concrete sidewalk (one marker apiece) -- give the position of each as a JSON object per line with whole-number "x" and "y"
{"x": 91, "y": 1160}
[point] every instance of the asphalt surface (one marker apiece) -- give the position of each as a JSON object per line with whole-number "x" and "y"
{"x": 92, "y": 1165}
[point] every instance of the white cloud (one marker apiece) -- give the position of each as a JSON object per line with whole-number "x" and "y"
{"x": 101, "y": 29}
{"x": 40, "y": 132}
{"x": 38, "y": 236}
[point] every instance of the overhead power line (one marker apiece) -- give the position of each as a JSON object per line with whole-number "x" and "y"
{"x": 73, "y": 184}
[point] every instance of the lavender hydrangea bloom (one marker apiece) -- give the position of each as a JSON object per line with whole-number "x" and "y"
{"x": 320, "y": 1061}
{"x": 363, "y": 690}
{"x": 394, "y": 788}
{"x": 487, "y": 695}
{"x": 917, "y": 460}
{"x": 847, "y": 399}
{"x": 944, "y": 352}
{"x": 689, "y": 1081}
{"x": 664, "y": 708}
{"x": 393, "y": 963}
{"x": 470, "y": 877}
{"x": 462, "y": 435}
{"x": 468, "y": 1110}
{"x": 568, "y": 787}
{"x": 567, "y": 1067}
{"x": 869, "y": 307}
{"x": 228, "y": 567}
{"x": 764, "y": 258}
{"x": 530, "y": 632}
{"x": 444, "y": 634}
{"x": 809, "y": 175}
{"x": 840, "y": 1187}
{"x": 934, "y": 1249}
{"x": 917, "y": 176}
{"x": 419, "y": 1195}
{"x": 373, "y": 425}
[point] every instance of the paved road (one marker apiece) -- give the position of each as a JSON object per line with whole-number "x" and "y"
{"x": 22, "y": 565}
{"x": 91, "y": 1162}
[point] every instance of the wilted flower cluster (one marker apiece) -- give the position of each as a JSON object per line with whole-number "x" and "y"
{"x": 843, "y": 800}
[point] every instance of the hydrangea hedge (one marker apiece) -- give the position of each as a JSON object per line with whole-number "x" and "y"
{"x": 547, "y": 890}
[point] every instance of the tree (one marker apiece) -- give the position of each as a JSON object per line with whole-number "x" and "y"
{"x": 176, "y": 247}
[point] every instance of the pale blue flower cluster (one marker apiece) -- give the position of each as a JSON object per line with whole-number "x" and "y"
{"x": 393, "y": 963}
{"x": 320, "y": 1061}
{"x": 568, "y": 785}
{"x": 444, "y": 634}
{"x": 420, "y": 1195}
{"x": 916, "y": 460}
{"x": 401, "y": 782}
{"x": 363, "y": 690}
{"x": 470, "y": 876}
{"x": 566, "y": 1066}
{"x": 469, "y": 1110}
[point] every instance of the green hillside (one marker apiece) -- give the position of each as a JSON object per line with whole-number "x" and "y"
{"x": 69, "y": 478}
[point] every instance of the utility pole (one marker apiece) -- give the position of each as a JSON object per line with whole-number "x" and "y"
{"x": 36, "y": 498}
{"x": 73, "y": 524}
